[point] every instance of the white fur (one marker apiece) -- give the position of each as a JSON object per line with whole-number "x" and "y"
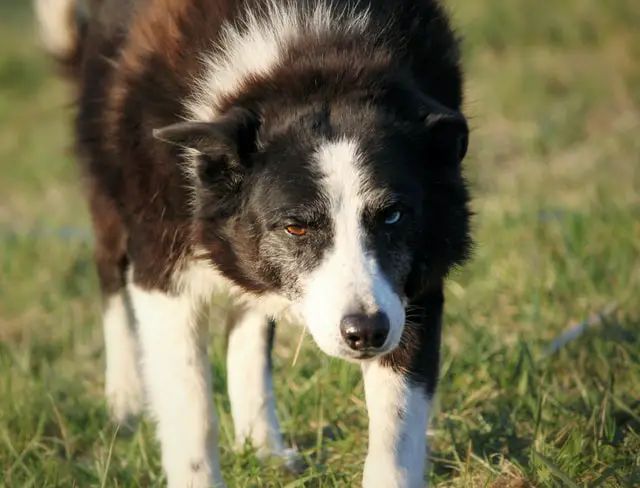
{"x": 348, "y": 280}
{"x": 56, "y": 26}
{"x": 250, "y": 385}
{"x": 398, "y": 416}
{"x": 123, "y": 386}
{"x": 199, "y": 278}
{"x": 177, "y": 374}
{"x": 255, "y": 46}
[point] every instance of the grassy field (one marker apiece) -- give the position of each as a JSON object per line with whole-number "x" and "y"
{"x": 554, "y": 100}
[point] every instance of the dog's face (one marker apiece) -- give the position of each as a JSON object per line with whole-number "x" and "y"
{"x": 332, "y": 207}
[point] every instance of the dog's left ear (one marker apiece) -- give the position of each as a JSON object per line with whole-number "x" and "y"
{"x": 447, "y": 131}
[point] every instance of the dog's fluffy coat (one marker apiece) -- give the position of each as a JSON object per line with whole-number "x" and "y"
{"x": 206, "y": 131}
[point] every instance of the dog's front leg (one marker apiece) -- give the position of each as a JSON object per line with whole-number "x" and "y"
{"x": 398, "y": 389}
{"x": 178, "y": 380}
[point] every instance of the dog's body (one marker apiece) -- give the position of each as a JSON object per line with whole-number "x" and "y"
{"x": 307, "y": 159}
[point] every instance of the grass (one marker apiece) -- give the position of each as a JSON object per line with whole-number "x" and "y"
{"x": 554, "y": 98}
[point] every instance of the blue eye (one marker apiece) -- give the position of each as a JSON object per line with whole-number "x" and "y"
{"x": 393, "y": 217}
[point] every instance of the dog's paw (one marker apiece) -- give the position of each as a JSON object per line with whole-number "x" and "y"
{"x": 125, "y": 408}
{"x": 289, "y": 458}
{"x": 293, "y": 461}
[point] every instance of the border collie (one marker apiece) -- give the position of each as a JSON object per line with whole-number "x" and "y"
{"x": 304, "y": 155}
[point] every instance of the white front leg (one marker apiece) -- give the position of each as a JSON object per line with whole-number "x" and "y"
{"x": 177, "y": 375}
{"x": 398, "y": 415}
{"x": 250, "y": 384}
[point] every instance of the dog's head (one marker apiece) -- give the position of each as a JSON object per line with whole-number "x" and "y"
{"x": 347, "y": 209}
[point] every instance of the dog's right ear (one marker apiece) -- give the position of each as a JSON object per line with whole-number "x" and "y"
{"x": 222, "y": 144}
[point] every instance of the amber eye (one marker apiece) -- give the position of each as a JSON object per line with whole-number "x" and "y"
{"x": 296, "y": 230}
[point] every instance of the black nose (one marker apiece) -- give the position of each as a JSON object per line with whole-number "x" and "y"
{"x": 363, "y": 332}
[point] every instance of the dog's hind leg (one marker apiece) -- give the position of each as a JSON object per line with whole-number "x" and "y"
{"x": 123, "y": 385}
{"x": 250, "y": 385}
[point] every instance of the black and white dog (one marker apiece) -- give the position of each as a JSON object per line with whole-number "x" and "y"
{"x": 304, "y": 155}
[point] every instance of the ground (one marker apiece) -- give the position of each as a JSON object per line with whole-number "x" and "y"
{"x": 554, "y": 98}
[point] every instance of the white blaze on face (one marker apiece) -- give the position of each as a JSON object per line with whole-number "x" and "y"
{"x": 349, "y": 279}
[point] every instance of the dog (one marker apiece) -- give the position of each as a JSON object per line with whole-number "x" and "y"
{"x": 304, "y": 156}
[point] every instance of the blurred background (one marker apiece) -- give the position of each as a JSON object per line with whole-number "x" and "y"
{"x": 553, "y": 95}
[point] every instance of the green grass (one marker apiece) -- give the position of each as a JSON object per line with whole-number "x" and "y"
{"x": 554, "y": 99}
